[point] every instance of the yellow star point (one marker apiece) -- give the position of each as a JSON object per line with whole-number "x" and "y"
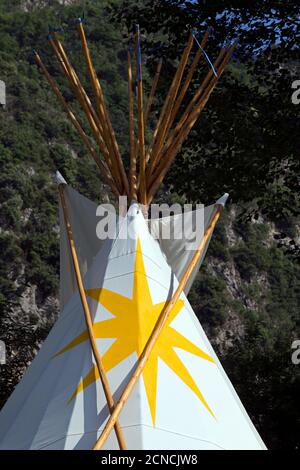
{"x": 131, "y": 326}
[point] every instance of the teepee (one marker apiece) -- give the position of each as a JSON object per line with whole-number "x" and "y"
{"x": 127, "y": 365}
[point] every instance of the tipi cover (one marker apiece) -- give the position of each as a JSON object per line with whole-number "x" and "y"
{"x": 183, "y": 400}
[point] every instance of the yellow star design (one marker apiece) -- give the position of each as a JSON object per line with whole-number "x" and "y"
{"x": 131, "y": 326}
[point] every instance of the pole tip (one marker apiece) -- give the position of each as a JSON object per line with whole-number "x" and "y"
{"x": 223, "y": 199}
{"x": 59, "y": 178}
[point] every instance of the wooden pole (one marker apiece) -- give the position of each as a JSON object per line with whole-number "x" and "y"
{"x": 119, "y": 158}
{"x": 133, "y": 148}
{"x": 149, "y": 106}
{"x": 173, "y": 90}
{"x": 181, "y": 96}
{"x": 150, "y": 101}
{"x": 188, "y": 79}
{"x": 77, "y": 126}
{"x": 84, "y": 101}
{"x": 160, "y": 131}
{"x": 86, "y": 105}
{"x": 195, "y": 98}
{"x": 74, "y": 81}
{"x": 99, "y": 102}
{"x": 153, "y": 90}
{"x": 141, "y": 124}
{"x": 204, "y": 92}
{"x": 151, "y": 98}
{"x": 103, "y": 114}
{"x": 88, "y": 318}
{"x": 157, "y": 331}
{"x": 91, "y": 70}
{"x": 186, "y": 113}
{"x": 171, "y": 152}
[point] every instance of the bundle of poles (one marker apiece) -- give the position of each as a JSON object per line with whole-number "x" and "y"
{"x": 148, "y": 165}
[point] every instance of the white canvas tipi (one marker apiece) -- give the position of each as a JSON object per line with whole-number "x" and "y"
{"x": 183, "y": 399}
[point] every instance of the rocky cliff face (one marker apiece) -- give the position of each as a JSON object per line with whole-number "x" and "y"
{"x": 23, "y": 331}
{"x": 29, "y": 5}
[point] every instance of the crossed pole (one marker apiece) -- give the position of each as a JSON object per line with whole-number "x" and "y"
{"x": 88, "y": 316}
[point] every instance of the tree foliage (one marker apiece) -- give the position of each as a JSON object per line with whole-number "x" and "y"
{"x": 241, "y": 142}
